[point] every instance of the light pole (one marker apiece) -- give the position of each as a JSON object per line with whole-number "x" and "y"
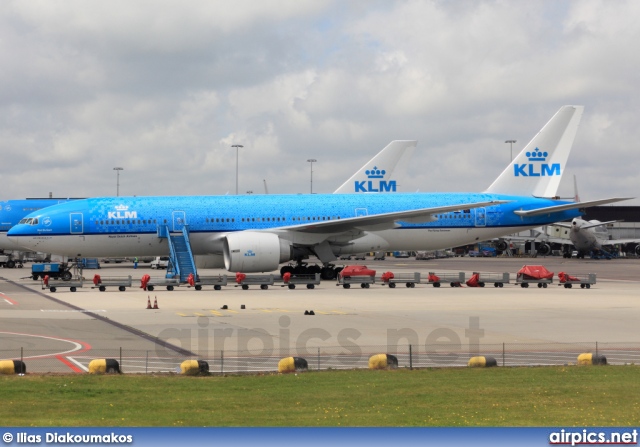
{"x": 312, "y": 161}
{"x": 237, "y": 146}
{"x": 118, "y": 180}
{"x": 511, "y": 143}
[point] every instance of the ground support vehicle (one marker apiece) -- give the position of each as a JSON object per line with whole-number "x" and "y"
{"x": 53, "y": 270}
{"x": 169, "y": 283}
{"x": 9, "y": 262}
{"x": 585, "y": 281}
{"x": 364, "y": 280}
{"x": 216, "y": 281}
{"x": 244, "y": 281}
{"x": 454, "y": 279}
{"x": 409, "y": 279}
{"x": 53, "y": 285}
{"x": 498, "y": 279}
{"x": 121, "y": 282}
{"x": 309, "y": 280}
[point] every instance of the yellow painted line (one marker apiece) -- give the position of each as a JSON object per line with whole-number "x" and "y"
{"x": 232, "y": 311}
{"x": 283, "y": 310}
{"x": 199, "y": 314}
{"x": 320, "y": 312}
{"x": 266, "y": 310}
{"x": 215, "y": 312}
{"x": 338, "y": 312}
{"x": 182, "y": 315}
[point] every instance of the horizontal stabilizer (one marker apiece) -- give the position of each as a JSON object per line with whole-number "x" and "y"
{"x": 569, "y": 206}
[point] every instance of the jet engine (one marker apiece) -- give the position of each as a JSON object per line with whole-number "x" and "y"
{"x": 248, "y": 252}
{"x": 544, "y": 249}
{"x": 502, "y": 245}
{"x": 637, "y": 250}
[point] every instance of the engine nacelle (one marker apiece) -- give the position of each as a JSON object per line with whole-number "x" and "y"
{"x": 637, "y": 250}
{"x": 502, "y": 245}
{"x": 544, "y": 249}
{"x": 248, "y": 252}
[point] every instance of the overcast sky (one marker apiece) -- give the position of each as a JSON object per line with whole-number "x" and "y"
{"x": 163, "y": 89}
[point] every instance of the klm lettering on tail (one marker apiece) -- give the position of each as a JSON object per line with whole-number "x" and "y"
{"x": 535, "y": 170}
{"x": 373, "y": 185}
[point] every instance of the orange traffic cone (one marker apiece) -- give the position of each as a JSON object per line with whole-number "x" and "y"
{"x": 149, "y": 302}
{"x": 155, "y": 303}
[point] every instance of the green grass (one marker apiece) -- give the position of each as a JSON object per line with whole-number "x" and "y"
{"x": 549, "y": 396}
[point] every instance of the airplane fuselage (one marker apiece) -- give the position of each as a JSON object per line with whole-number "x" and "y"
{"x": 128, "y": 226}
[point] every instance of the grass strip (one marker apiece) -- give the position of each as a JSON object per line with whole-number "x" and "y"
{"x": 538, "y": 396}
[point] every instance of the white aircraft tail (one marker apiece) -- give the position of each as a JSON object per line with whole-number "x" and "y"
{"x": 376, "y": 174}
{"x": 538, "y": 169}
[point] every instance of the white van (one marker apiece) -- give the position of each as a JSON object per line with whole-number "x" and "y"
{"x": 160, "y": 262}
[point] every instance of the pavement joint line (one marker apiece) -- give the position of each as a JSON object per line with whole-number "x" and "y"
{"x": 96, "y": 316}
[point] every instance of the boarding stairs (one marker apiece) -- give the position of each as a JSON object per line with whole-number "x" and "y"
{"x": 181, "y": 261}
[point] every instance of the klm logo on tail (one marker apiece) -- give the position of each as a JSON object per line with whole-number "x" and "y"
{"x": 122, "y": 212}
{"x": 536, "y": 169}
{"x": 375, "y": 182}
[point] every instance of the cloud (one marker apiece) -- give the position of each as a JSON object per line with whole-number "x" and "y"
{"x": 164, "y": 89}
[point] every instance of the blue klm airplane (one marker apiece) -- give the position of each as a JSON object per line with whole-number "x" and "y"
{"x": 12, "y": 211}
{"x": 257, "y": 233}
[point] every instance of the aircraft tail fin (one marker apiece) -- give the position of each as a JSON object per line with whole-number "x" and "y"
{"x": 393, "y": 158}
{"x": 538, "y": 168}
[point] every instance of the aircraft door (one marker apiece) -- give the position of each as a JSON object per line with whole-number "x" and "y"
{"x": 481, "y": 217}
{"x": 361, "y": 212}
{"x": 76, "y": 223}
{"x": 179, "y": 220}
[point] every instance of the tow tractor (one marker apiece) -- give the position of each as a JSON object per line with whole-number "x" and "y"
{"x": 55, "y": 270}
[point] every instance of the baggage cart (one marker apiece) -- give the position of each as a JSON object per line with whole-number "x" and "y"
{"x": 454, "y": 279}
{"x": 542, "y": 283}
{"x": 497, "y": 279}
{"x": 584, "y": 280}
{"x": 309, "y": 280}
{"x": 54, "y": 284}
{"x": 121, "y": 282}
{"x": 169, "y": 283}
{"x": 244, "y": 281}
{"x": 216, "y": 281}
{"x": 364, "y": 280}
{"x": 409, "y": 279}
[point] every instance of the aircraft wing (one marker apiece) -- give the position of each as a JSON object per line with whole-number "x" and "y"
{"x": 569, "y": 206}
{"x": 384, "y": 221}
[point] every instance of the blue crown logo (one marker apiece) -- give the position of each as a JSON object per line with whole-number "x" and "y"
{"x": 122, "y": 207}
{"x": 537, "y": 155}
{"x": 250, "y": 253}
{"x": 375, "y": 172}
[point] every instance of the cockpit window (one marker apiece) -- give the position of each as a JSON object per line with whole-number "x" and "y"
{"x": 29, "y": 221}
